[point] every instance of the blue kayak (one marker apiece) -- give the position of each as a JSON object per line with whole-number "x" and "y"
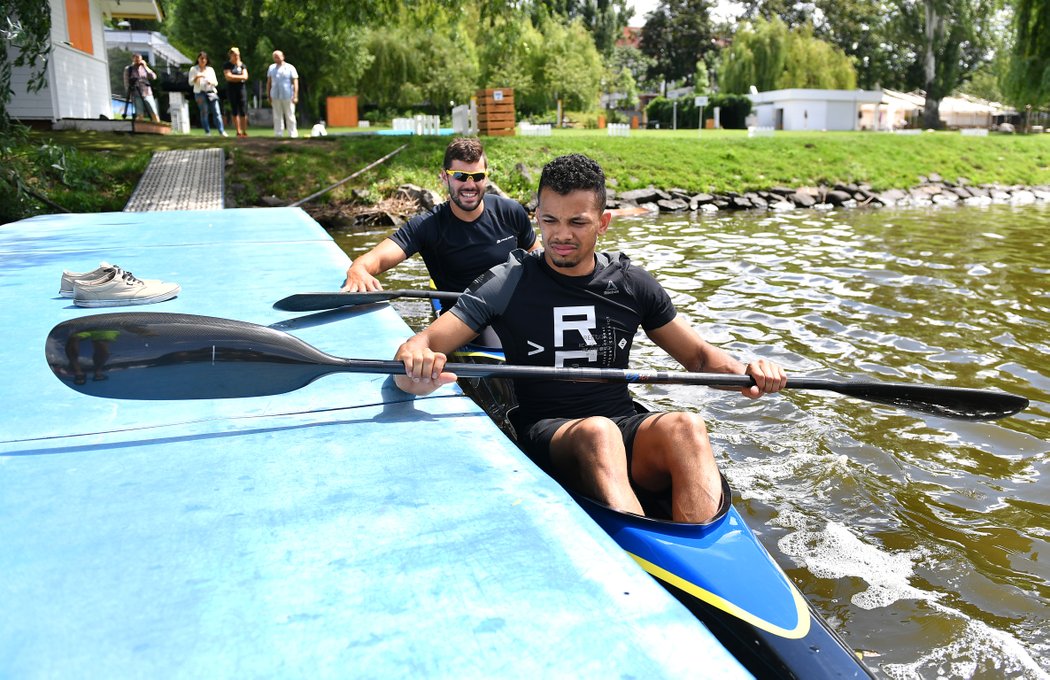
{"x": 719, "y": 570}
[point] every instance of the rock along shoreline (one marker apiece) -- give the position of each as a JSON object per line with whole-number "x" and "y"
{"x": 410, "y": 199}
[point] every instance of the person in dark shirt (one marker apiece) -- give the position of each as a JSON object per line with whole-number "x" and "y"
{"x": 459, "y": 239}
{"x": 570, "y": 306}
{"x": 236, "y": 74}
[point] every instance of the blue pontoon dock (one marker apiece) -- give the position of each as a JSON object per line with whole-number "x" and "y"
{"x": 341, "y": 530}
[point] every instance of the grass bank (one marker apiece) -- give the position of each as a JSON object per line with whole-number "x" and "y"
{"x": 712, "y": 161}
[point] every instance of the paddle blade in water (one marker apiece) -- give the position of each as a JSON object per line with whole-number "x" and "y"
{"x": 149, "y": 355}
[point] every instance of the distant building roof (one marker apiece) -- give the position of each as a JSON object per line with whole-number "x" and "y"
{"x": 631, "y": 37}
{"x": 146, "y": 41}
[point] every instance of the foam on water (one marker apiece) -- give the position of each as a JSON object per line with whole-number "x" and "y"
{"x": 979, "y": 651}
{"x": 835, "y": 552}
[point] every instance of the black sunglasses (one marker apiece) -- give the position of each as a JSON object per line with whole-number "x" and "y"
{"x": 461, "y": 176}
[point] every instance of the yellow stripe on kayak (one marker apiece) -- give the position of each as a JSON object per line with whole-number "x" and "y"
{"x": 475, "y": 353}
{"x": 801, "y": 609}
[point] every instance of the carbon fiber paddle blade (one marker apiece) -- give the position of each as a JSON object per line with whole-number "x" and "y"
{"x": 179, "y": 356}
{"x": 948, "y": 402}
{"x": 315, "y": 302}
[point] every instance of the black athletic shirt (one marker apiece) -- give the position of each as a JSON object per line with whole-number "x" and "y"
{"x": 545, "y": 318}
{"x": 457, "y": 252}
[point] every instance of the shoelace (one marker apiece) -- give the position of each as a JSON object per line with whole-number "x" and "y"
{"x": 128, "y": 277}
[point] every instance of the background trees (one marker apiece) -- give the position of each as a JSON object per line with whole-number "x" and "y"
{"x": 770, "y": 56}
{"x": 1026, "y": 80}
{"x": 426, "y": 54}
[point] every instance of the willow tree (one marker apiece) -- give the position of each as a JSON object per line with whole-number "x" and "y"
{"x": 814, "y": 63}
{"x": 770, "y": 56}
{"x": 756, "y": 58}
{"x": 1027, "y": 80}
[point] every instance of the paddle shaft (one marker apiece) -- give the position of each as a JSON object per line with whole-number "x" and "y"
{"x": 183, "y": 356}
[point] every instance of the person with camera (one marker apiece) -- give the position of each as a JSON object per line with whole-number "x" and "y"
{"x": 137, "y": 75}
{"x": 206, "y": 94}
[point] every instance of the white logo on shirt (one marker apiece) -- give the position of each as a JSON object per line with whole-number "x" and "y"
{"x": 611, "y": 289}
{"x": 505, "y": 238}
{"x": 575, "y": 319}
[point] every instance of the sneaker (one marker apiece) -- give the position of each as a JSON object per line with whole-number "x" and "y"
{"x": 65, "y": 289}
{"x": 69, "y": 278}
{"x": 223, "y": 133}
{"x": 120, "y": 288}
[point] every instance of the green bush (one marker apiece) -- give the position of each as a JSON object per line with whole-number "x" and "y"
{"x": 734, "y": 111}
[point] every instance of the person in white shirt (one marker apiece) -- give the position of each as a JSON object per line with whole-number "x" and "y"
{"x": 206, "y": 93}
{"x": 282, "y": 89}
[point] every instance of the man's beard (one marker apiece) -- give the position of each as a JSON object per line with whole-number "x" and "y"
{"x": 454, "y": 197}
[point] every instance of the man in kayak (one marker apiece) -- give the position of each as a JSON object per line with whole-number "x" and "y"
{"x": 570, "y": 306}
{"x": 459, "y": 239}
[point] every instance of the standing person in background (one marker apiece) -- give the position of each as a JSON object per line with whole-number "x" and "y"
{"x": 236, "y": 74}
{"x": 206, "y": 94}
{"x": 136, "y": 83}
{"x": 282, "y": 88}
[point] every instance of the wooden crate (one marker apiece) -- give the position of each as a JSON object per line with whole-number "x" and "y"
{"x": 341, "y": 111}
{"x": 496, "y": 111}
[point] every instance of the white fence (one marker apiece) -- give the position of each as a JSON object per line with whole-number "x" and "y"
{"x": 618, "y": 129}
{"x": 760, "y": 131}
{"x": 530, "y": 130}
{"x": 465, "y": 120}
{"x": 420, "y": 125}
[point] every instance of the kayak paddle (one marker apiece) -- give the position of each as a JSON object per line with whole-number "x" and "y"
{"x": 150, "y": 355}
{"x": 312, "y": 302}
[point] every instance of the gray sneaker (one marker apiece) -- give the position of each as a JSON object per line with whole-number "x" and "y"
{"x": 98, "y": 275}
{"x": 65, "y": 289}
{"x": 118, "y": 288}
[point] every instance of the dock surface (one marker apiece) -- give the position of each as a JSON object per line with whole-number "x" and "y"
{"x": 182, "y": 179}
{"x": 343, "y": 530}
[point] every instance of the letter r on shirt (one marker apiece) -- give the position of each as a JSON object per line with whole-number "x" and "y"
{"x": 581, "y": 320}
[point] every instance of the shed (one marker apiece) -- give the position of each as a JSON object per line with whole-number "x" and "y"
{"x": 805, "y": 109}
{"x": 77, "y": 78}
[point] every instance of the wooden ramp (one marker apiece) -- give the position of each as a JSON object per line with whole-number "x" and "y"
{"x": 185, "y": 179}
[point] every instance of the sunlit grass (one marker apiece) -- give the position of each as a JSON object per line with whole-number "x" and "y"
{"x": 708, "y": 161}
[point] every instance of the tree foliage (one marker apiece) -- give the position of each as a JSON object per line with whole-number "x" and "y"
{"x": 428, "y": 64}
{"x": 860, "y": 28}
{"x": 1027, "y": 80}
{"x": 949, "y": 40}
{"x": 26, "y": 32}
{"x": 324, "y": 43}
{"x": 678, "y": 34}
{"x": 603, "y": 19}
{"x": 770, "y": 56}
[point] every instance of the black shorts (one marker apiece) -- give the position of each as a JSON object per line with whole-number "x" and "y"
{"x": 238, "y": 101}
{"x": 535, "y": 438}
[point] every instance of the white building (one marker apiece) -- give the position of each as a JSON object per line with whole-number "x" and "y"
{"x": 160, "y": 54}
{"x": 804, "y": 109}
{"x": 78, "y": 70}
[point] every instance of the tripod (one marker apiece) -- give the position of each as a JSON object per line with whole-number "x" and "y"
{"x": 134, "y": 85}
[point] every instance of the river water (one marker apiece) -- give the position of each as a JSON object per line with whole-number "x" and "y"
{"x": 923, "y": 540}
